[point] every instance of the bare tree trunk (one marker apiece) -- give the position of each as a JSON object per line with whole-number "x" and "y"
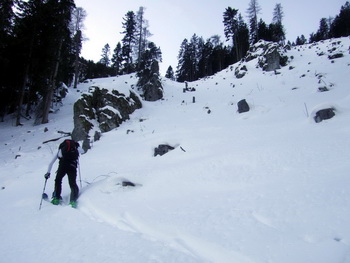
{"x": 76, "y": 71}
{"x": 21, "y": 96}
{"x": 24, "y": 84}
{"x": 52, "y": 83}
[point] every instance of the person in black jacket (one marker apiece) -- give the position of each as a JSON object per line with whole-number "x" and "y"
{"x": 68, "y": 155}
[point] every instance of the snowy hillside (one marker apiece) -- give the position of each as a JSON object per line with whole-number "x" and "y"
{"x": 268, "y": 185}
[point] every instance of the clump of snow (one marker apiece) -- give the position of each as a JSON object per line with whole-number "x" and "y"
{"x": 268, "y": 185}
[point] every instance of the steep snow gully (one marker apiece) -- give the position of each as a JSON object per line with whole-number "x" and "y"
{"x": 268, "y": 185}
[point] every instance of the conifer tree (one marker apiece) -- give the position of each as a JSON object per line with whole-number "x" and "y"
{"x": 340, "y": 26}
{"x": 129, "y": 40}
{"x": 205, "y": 67}
{"x": 264, "y": 32}
{"x": 183, "y": 62}
{"x": 142, "y": 34}
{"x": 76, "y": 27}
{"x": 231, "y": 23}
{"x": 253, "y": 11}
{"x": 300, "y": 40}
{"x": 278, "y": 14}
{"x": 276, "y": 27}
{"x": 106, "y": 51}
{"x": 148, "y": 73}
{"x": 170, "y": 73}
{"x": 243, "y": 37}
{"x": 117, "y": 59}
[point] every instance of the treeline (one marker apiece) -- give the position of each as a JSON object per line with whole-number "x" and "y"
{"x": 199, "y": 58}
{"x": 333, "y": 27}
{"x": 128, "y": 54}
{"x": 40, "y": 46}
{"x": 40, "y": 43}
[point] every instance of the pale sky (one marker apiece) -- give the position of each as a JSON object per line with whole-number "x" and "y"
{"x": 171, "y": 21}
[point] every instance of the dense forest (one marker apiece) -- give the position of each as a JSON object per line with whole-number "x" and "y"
{"x": 41, "y": 42}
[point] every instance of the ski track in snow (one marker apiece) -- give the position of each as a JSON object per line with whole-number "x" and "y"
{"x": 203, "y": 250}
{"x": 269, "y": 185}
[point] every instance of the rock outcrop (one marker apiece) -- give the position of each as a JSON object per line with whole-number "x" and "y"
{"x": 102, "y": 110}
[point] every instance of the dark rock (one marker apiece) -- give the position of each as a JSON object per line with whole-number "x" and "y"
{"x": 240, "y": 71}
{"x": 128, "y": 183}
{"x": 97, "y": 136}
{"x": 324, "y": 114}
{"x": 337, "y": 55}
{"x": 272, "y": 60}
{"x": 162, "y": 149}
{"x": 323, "y": 89}
{"x": 86, "y": 145}
{"x": 243, "y": 106}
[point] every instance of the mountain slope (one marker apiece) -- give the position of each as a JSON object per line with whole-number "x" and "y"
{"x": 269, "y": 185}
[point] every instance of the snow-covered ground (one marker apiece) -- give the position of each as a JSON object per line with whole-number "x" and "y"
{"x": 269, "y": 185}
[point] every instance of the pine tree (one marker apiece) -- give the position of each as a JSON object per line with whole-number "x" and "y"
{"x": 117, "y": 59}
{"x": 253, "y": 11}
{"x": 170, "y": 73}
{"x": 193, "y": 57}
{"x": 264, "y": 32}
{"x": 148, "y": 73}
{"x": 276, "y": 27}
{"x": 243, "y": 37}
{"x": 236, "y": 30}
{"x": 278, "y": 14}
{"x": 205, "y": 67}
{"x": 300, "y": 40}
{"x": 142, "y": 34}
{"x": 184, "y": 63}
{"x": 129, "y": 40}
{"x": 76, "y": 27}
{"x": 277, "y": 32}
{"x": 323, "y": 32}
{"x": 231, "y": 28}
{"x": 218, "y": 56}
{"x": 106, "y": 51}
{"x": 341, "y": 24}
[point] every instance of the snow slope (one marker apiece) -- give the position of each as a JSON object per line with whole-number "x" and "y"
{"x": 269, "y": 185}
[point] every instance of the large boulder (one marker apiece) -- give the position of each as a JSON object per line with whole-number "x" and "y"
{"x": 271, "y": 56}
{"x": 243, "y": 106}
{"x": 102, "y": 110}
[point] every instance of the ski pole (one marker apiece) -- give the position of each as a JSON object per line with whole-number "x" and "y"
{"x": 42, "y": 195}
{"x": 80, "y": 175}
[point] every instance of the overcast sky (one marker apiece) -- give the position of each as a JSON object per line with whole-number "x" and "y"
{"x": 171, "y": 21}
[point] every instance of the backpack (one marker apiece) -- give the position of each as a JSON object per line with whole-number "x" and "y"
{"x": 69, "y": 149}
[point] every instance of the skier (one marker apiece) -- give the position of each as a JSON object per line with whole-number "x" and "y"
{"x": 68, "y": 155}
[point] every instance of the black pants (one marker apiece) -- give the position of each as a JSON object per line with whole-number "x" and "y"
{"x": 69, "y": 168}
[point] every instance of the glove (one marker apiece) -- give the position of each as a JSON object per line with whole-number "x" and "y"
{"x": 47, "y": 175}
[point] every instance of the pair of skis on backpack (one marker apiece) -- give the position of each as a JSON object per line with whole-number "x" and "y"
{"x": 57, "y": 201}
